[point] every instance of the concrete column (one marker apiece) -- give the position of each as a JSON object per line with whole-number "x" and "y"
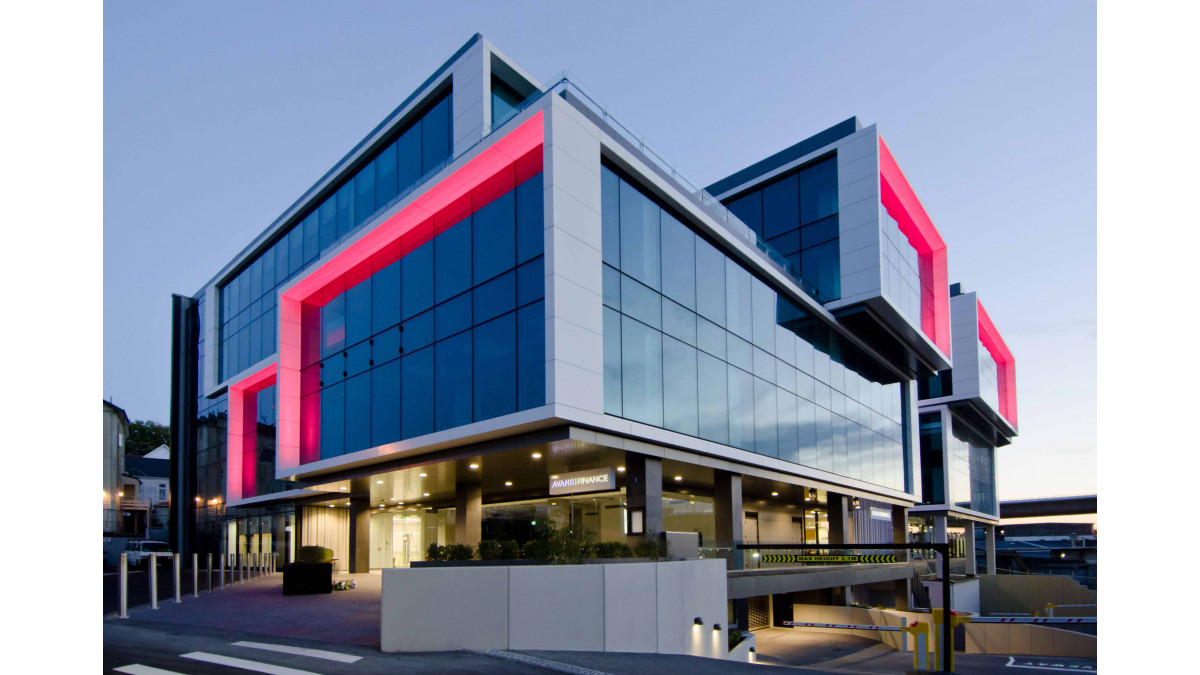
{"x": 969, "y": 531}
{"x": 989, "y": 539}
{"x": 939, "y": 537}
{"x": 643, "y": 490}
{"x": 468, "y": 513}
{"x": 903, "y": 593}
{"x": 900, "y": 530}
{"x": 360, "y": 526}
{"x": 840, "y": 528}
{"x": 727, "y": 507}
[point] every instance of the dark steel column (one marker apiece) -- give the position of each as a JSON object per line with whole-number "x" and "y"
{"x": 181, "y": 520}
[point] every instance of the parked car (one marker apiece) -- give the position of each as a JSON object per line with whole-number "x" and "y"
{"x": 140, "y": 551}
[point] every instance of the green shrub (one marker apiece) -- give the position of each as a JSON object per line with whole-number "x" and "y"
{"x": 509, "y": 550}
{"x": 652, "y": 546}
{"x": 736, "y": 635}
{"x": 612, "y": 549}
{"x": 458, "y": 552}
{"x": 314, "y": 554}
{"x": 435, "y": 552}
{"x": 536, "y": 549}
{"x": 488, "y": 549}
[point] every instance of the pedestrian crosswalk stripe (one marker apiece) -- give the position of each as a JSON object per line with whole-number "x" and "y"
{"x": 245, "y": 664}
{"x": 302, "y": 651}
{"x": 139, "y": 669}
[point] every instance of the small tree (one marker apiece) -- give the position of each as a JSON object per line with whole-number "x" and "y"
{"x": 145, "y": 436}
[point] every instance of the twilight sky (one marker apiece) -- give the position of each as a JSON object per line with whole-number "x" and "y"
{"x": 219, "y": 115}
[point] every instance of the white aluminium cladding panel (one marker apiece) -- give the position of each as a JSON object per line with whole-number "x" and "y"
{"x": 574, "y": 293}
{"x": 859, "y": 209}
{"x": 964, "y": 342}
{"x": 470, "y": 97}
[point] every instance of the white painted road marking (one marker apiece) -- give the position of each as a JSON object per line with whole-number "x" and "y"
{"x": 256, "y": 666}
{"x": 302, "y": 651}
{"x": 139, "y": 669}
{"x": 1049, "y": 665}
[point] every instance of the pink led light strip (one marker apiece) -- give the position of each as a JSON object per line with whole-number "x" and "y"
{"x": 1005, "y": 364}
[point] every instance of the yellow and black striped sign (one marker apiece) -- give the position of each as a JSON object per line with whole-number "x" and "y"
{"x": 789, "y": 558}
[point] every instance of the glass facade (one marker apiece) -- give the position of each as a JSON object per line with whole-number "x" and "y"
{"x": 797, "y": 216}
{"x": 694, "y": 343}
{"x": 989, "y": 378}
{"x": 506, "y": 101}
{"x": 452, "y": 333}
{"x": 248, "y": 312}
{"x": 970, "y": 471}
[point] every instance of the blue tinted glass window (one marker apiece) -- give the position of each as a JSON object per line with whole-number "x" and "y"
{"x": 679, "y": 322}
{"x": 495, "y": 297}
{"x": 364, "y": 193}
{"x": 416, "y": 398}
{"x": 531, "y": 356}
{"x": 417, "y": 333}
{"x": 386, "y": 345}
{"x": 641, "y": 373}
{"x": 822, "y": 268}
{"x": 820, "y": 232}
{"x": 327, "y": 217}
{"x": 345, "y": 209}
{"x": 824, "y": 439}
{"x": 612, "y": 361}
{"x": 787, "y": 243}
{"x": 505, "y": 101}
{"x": 333, "y": 423}
{"x": 435, "y": 136}
{"x": 312, "y": 238}
{"x": 749, "y": 209}
{"x": 333, "y": 369}
{"x": 255, "y": 342}
{"x": 358, "y": 312}
{"x": 781, "y": 207}
{"x": 385, "y": 175}
{"x": 268, "y": 270}
{"x": 495, "y": 238}
{"x": 416, "y": 285}
{"x": 678, "y": 262}
{"x": 531, "y": 281}
{"x": 639, "y": 236}
{"x": 739, "y": 307}
{"x": 712, "y": 398}
{"x": 610, "y": 217}
{"x": 818, "y": 191}
{"x": 741, "y": 409}
{"x": 385, "y": 297}
{"x": 452, "y": 386}
{"x": 612, "y": 287}
{"x": 766, "y": 419}
{"x": 281, "y": 261}
{"x": 711, "y": 338}
{"x": 680, "y": 405}
{"x": 789, "y": 429}
{"x": 763, "y": 300}
{"x": 452, "y": 256}
{"x": 495, "y": 373}
{"x": 333, "y": 326}
{"x": 453, "y": 316}
{"x": 385, "y": 403}
{"x": 739, "y": 352}
{"x": 408, "y": 157}
{"x": 641, "y": 303}
{"x": 296, "y": 257}
{"x": 531, "y": 221}
{"x": 358, "y": 359}
{"x": 358, "y": 413}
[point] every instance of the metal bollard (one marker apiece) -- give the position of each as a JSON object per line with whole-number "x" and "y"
{"x": 221, "y": 571}
{"x": 123, "y": 585}
{"x": 195, "y": 575}
{"x": 152, "y": 564}
{"x": 210, "y": 573}
{"x": 176, "y": 570}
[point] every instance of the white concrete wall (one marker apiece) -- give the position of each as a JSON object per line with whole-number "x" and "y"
{"x": 624, "y": 607}
{"x": 964, "y": 595}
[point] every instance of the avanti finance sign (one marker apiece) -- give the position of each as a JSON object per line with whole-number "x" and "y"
{"x": 592, "y": 480}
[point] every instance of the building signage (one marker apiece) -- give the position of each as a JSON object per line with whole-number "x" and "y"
{"x": 788, "y": 558}
{"x": 881, "y": 514}
{"x": 592, "y": 480}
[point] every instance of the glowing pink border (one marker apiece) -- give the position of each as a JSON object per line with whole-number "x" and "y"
{"x": 902, "y": 204}
{"x": 493, "y": 172}
{"x": 1005, "y": 364}
{"x": 241, "y": 442}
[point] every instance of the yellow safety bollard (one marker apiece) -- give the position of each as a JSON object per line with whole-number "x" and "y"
{"x": 955, "y": 621}
{"x": 1049, "y": 609}
{"x": 921, "y": 644}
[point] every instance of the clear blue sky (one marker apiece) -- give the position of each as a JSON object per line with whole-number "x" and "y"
{"x": 218, "y": 115}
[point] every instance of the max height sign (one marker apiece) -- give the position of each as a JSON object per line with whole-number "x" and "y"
{"x": 592, "y": 480}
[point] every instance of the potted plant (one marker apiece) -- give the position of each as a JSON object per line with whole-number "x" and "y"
{"x": 311, "y": 573}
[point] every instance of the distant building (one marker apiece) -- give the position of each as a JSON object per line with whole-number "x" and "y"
{"x": 116, "y": 430}
{"x": 149, "y": 477}
{"x": 1064, "y": 549}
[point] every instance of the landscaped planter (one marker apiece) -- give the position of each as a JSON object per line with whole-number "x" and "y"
{"x": 307, "y": 578}
{"x": 522, "y": 562}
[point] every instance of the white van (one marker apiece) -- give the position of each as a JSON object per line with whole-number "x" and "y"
{"x": 140, "y": 550}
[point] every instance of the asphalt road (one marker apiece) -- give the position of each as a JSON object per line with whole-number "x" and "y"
{"x": 139, "y": 584}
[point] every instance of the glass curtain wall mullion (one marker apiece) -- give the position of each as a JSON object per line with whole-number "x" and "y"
{"x": 696, "y": 343}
